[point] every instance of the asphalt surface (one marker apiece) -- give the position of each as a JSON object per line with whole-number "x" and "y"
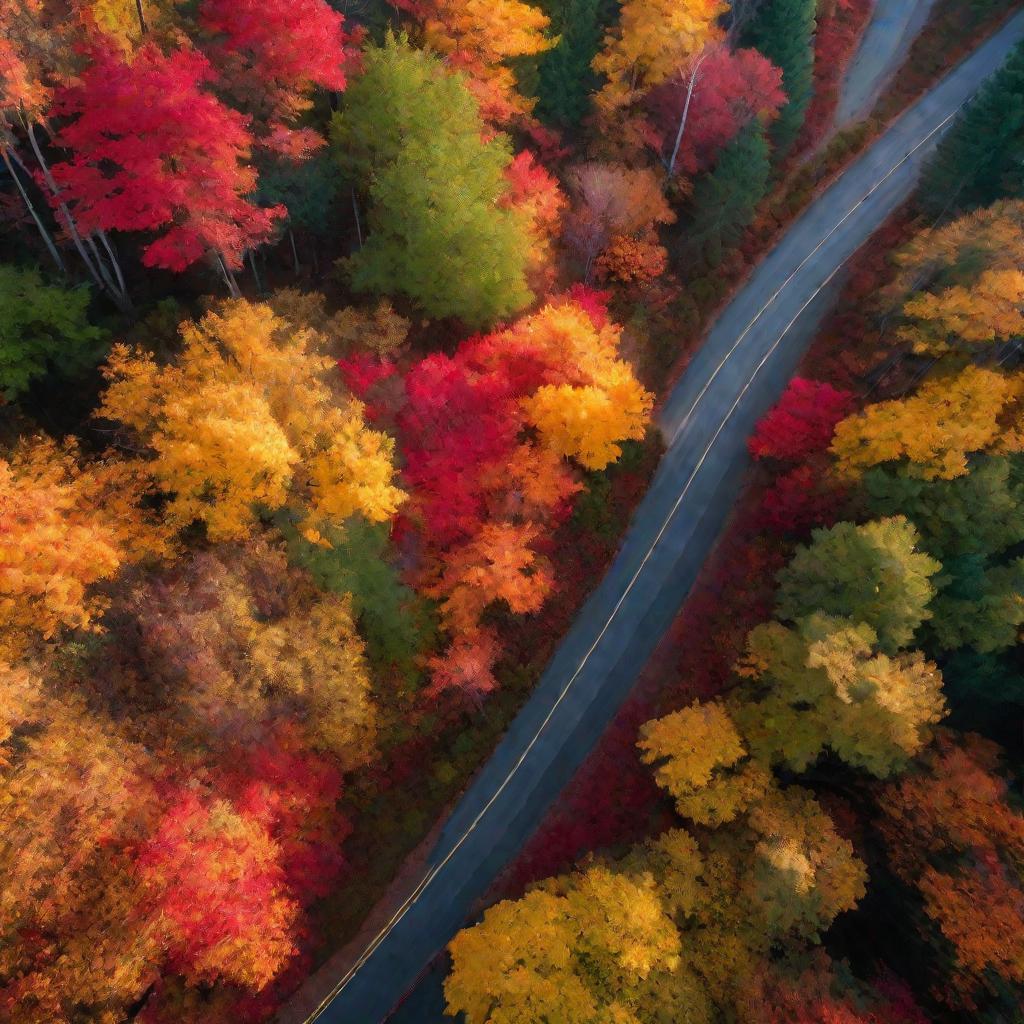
{"x": 740, "y": 371}
{"x": 893, "y": 27}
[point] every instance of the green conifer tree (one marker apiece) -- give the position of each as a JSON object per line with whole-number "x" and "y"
{"x": 783, "y": 30}
{"x": 724, "y": 199}
{"x": 566, "y": 79}
{"x": 981, "y": 158}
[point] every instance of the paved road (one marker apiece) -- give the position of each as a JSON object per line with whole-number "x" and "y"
{"x": 893, "y": 27}
{"x": 740, "y": 371}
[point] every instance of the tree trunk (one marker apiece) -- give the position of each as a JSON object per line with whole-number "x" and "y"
{"x": 355, "y": 210}
{"x": 96, "y": 271}
{"x": 295, "y": 252}
{"x": 143, "y": 27}
{"x": 255, "y": 273}
{"x": 686, "y": 113}
{"x": 229, "y": 279}
{"x": 27, "y": 199}
{"x": 115, "y": 264}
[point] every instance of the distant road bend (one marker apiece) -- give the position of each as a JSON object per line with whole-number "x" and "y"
{"x": 739, "y": 372}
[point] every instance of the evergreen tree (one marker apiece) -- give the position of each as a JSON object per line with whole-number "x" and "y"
{"x": 981, "y": 158}
{"x": 411, "y": 138}
{"x": 566, "y": 79}
{"x": 306, "y": 189}
{"x": 725, "y": 199}
{"x": 783, "y": 30}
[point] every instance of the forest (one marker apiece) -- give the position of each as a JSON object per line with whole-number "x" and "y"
{"x": 332, "y": 341}
{"x": 814, "y": 813}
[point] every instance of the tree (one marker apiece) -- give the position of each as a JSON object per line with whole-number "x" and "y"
{"x": 535, "y": 195}
{"x": 612, "y": 203}
{"x": 939, "y": 258}
{"x": 214, "y": 878}
{"x": 823, "y": 684}
{"x": 485, "y": 493}
{"x": 566, "y": 79}
{"x": 935, "y": 429}
{"x": 479, "y": 38}
{"x": 589, "y": 423}
{"x": 801, "y": 423}
{"x": 783, "y": 30}
{"x": 273, "y": 54}
{"x": 632, "y": 261}
{"x": 535, "y": 958}
{"x": 978, "y": 160}
{"x": 800, "y": 499}
{"x": 952, "y": 833}
{"x": 360, "y": 562}
{"x": 702, "y": 763}
{"x": 151, "y": 150}
{"x": 724, "y": 200}
{"x": 652, "y": 40}
{"x": 247, "y": 418}
{"x": 973, "y": 514}
{"x": 871, "y": 574}
{"x": 65, "y": 528}
{"x": 969, "y": 521}
{"x": 732, "y": 88}
{"x": 128, "y": 22}
{"x": 76, "y": 798}
{"x": 411, "y": 138}
{"x": 673, "y": 931}
{"x": 966, "y": 317}
{"x": 43, "y": 328}
{"x": 980, "y": 606}
{"x": 812, "y": 990}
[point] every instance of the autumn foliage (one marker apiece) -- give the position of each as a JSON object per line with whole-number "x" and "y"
{"x": 153, "y": 150}
{"x": 486, "y": 434}
{"x": 247, "y": 418}
{"x": 279, "y": 564}
{"x": 731, "y": 88}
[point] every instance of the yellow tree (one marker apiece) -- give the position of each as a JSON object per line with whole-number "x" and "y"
{"x": 673, "y": 931}
{"x": 962, "y": 316}
{"x": 127, "y": 22}
{"x": 960, "y": 285}
{"x": 652, "y": 41}
{"x": 937, "y": 258}
{"x": 247, "y": 419}
{"x": 539, "y": 958}
{"x": 702, "y": 762}
{"x": 65, "y": 527}
{"x": 935, "y": 429}
{"x": 479, "y": 37}
{"x": 73, "y": 794}
{"x": 601, "y": 404}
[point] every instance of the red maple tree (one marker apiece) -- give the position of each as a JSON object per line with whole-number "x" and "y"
{"x": 732, "y": 88}
{"x": 152, "y": 150}
{"x": 271, "y": 54}
{"x": 801, "y": 422}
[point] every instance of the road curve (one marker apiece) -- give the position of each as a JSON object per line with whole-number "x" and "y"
{"x": 739, "y": 372}
{"x": 893, "y": 27}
